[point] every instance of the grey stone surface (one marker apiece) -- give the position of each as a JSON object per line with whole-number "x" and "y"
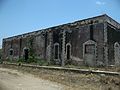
{"x": 90, "y": 52}
{"x": 117, "y": 54}
{"x": 105, "y": 32}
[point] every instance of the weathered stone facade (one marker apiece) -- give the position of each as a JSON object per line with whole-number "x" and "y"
{"x": 91, "y": 42}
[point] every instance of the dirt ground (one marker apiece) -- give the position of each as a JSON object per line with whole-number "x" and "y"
{"x": 14, "y": 80}
{"x": 56, "y": 80}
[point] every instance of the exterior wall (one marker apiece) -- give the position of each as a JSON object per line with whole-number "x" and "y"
{"x": 57, "y": 39}
{"x": 99, "y": 39}
{"x": 78, "y": 37}
{"x": 113, "y": 37}
{"x": 39, "y": 45}
{"x": 6, "y": 46}
{"x": 42, "y": 43}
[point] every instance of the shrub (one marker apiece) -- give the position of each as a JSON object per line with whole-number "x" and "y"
{"x": 42, "y": 62}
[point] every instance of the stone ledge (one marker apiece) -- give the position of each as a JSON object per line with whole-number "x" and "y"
{"x": 83, "y": 71}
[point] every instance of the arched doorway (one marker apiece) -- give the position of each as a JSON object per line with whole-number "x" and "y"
{"x": 89, "y": 52}
{"x": 56, "y": 51}
{"x": 26, "y": 53}
{"x": 68, "y": 51}
{"x": 117, "y": 54}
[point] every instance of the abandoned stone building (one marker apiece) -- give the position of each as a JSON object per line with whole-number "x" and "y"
{"x": 93, "y": 42}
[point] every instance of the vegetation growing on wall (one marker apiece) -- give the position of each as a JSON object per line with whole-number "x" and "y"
{"x": 31, "y": 51}
{"x": 32, "y": 57}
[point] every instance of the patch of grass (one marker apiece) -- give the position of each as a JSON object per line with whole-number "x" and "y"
{"x": 33, "y": 60}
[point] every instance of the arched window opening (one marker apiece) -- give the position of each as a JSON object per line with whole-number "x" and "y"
{"x": 11, "y": 52}
{"x": 56, "y": 51}
{"x": 26, "y": 53}
{"x": 90, "y": 49}
{"x": 68, "y": 51}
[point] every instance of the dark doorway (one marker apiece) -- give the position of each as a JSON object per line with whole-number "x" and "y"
{"x": 89, "y": 54}
{"x": 11, "y": 52}
{"x": 26, "y": 51}
{"x": 68, "y": 51}
{"x": 56, "y": 51}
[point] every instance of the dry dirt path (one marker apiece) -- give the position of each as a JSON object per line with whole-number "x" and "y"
{"x": 14, "y": 80}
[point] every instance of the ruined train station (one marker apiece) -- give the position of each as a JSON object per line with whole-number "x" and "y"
{"x": 93, "y": 42}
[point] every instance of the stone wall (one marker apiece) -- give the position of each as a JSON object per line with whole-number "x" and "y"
{"x": 113, "y": 37}
{"x": 63, "y": 44}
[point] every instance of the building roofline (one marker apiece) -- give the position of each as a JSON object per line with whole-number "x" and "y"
{"x": 105, "y": 16}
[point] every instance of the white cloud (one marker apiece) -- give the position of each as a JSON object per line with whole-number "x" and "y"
{"x": 100, "y": 3}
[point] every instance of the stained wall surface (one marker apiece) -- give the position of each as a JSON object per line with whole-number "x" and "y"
{"x": 66, "y": 44}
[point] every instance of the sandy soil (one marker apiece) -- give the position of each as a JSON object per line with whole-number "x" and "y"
{"x": 28, "y": 78}
{"x": 14, "y": 80}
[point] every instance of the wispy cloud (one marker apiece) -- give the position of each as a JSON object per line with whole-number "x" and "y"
{"x": 100, "y": 3}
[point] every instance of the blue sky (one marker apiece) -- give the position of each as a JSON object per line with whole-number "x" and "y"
{"x": 21, "y": 16}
